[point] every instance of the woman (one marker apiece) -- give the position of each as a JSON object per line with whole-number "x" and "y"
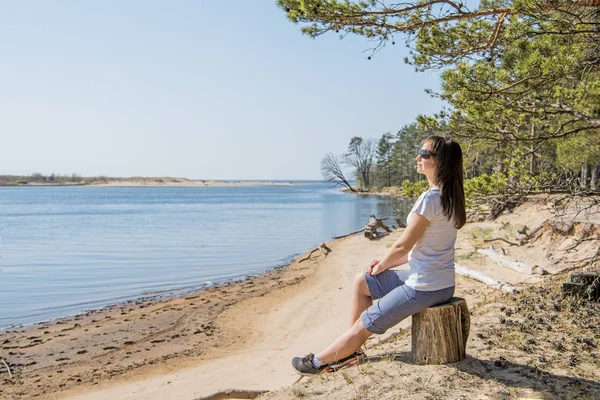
{"x": 427, "y": 245}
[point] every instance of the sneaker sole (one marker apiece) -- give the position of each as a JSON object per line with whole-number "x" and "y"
{"x": 324, "y": 371}
{"x": 336, "y": 367}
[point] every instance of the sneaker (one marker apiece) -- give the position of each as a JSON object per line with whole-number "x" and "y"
{"x": 305, "y": 366}
{"x": 353, "y": 358}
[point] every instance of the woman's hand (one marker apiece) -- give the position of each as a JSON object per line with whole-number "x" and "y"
{"x": 373, "y": 268}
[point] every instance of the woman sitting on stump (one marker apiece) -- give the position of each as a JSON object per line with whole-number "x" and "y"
{"x": 427, "y": 245}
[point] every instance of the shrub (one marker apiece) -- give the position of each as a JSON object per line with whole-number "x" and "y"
{"x": 412, "y": 190}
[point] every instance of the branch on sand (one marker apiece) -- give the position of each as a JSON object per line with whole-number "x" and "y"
{"x": 349, "y": 234}
{"x": 502, "y": 239}
{"x": 322, "y": 247}
{"x": 7, "y": 368}
{"x": 234, "y": 394}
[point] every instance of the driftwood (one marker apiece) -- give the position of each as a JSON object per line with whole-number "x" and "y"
{"x": 439, "y": 334}
{"x": 401, "y": 224}
{"x": 504, "y": 261}
{"x": 485, "y": 278}
{"x": 322, "y": 247}
{"x": 370, "y": 229}
{"x": 501, "y": 239}
{"x": 349, "y": 234}
{"x": 7, "y": 368}
{"x": 234, "y": 394}
{"x": 374, "y": 224}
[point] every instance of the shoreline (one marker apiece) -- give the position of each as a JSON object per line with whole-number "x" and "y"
{"x": 161, "y": 296}
{"x": 179, "y": 330}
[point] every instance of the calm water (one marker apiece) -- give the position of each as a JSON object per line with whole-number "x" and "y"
{"x": 68, "y": 249}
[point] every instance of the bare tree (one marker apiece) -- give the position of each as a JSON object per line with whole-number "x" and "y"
{"x": 360, "y": 155}
{"x": 332, "y": 171}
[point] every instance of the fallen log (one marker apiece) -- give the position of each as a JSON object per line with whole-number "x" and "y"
{"x": 506, "y": 262}
{"x": 485, "y": 278}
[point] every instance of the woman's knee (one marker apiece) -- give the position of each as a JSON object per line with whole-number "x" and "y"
{"x": 360, "y": 330}
{"x": 360, "y": 284}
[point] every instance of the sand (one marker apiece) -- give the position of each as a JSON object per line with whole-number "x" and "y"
{"x": 241, "y": 336}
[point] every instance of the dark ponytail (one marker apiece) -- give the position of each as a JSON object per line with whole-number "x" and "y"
{"x": 449, "y": 177}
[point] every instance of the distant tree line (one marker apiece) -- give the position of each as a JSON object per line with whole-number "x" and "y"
{"x": 376, "y": 163}
{"x": 57, "y": 179}
{"x": 560, "y": 165}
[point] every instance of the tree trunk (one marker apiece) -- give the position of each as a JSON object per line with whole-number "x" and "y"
{"x": 595, "y": 175}
{"x": 532, "y": 162}
{"x": 365, "y": 179}
{"x": 499, "y": 165}
{"x": 585, "y": 175}
{"x": 499, "y": 152}
{"x": 439, "y": 334}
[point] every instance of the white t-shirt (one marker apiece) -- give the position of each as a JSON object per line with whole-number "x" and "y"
{"x": 431, "y": 260}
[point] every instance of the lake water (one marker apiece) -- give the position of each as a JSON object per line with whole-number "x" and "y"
{"x": 65, "y": 250}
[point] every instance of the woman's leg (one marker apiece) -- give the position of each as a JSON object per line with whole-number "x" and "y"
{"x": 361, "y": 297}
{"x": 346, "y": 344}
{"x": 366, "y": 288}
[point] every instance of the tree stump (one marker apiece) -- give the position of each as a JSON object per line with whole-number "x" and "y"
{"x": 439, "y": 334}
{"x": 585, "y": 284}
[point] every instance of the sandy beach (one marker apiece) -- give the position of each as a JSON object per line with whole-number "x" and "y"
{"x": 236, "y": 340}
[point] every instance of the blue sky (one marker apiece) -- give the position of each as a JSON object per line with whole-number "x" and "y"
{"x": 196, "y": 89}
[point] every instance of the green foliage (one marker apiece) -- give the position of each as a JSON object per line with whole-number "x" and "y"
{"x": 578, "y": 150}
{"x": 385, "y": 147}
{"x": 478, "y": 189}
{"x": 406, "y": 147}
{"x": 413, "y": 190}
{"x": 516, "y": 181}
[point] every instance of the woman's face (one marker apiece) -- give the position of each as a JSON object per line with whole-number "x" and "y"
{"x": 426, "y": 166}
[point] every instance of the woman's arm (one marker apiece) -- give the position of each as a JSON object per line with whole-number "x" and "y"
{"x": 403, "y": 260}
{"x": 398, "y": 253}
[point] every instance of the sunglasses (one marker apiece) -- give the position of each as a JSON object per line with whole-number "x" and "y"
{"x": 425, "y": 154}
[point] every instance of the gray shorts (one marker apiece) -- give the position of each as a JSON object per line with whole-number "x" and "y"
{"x": 397, "y": 300}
